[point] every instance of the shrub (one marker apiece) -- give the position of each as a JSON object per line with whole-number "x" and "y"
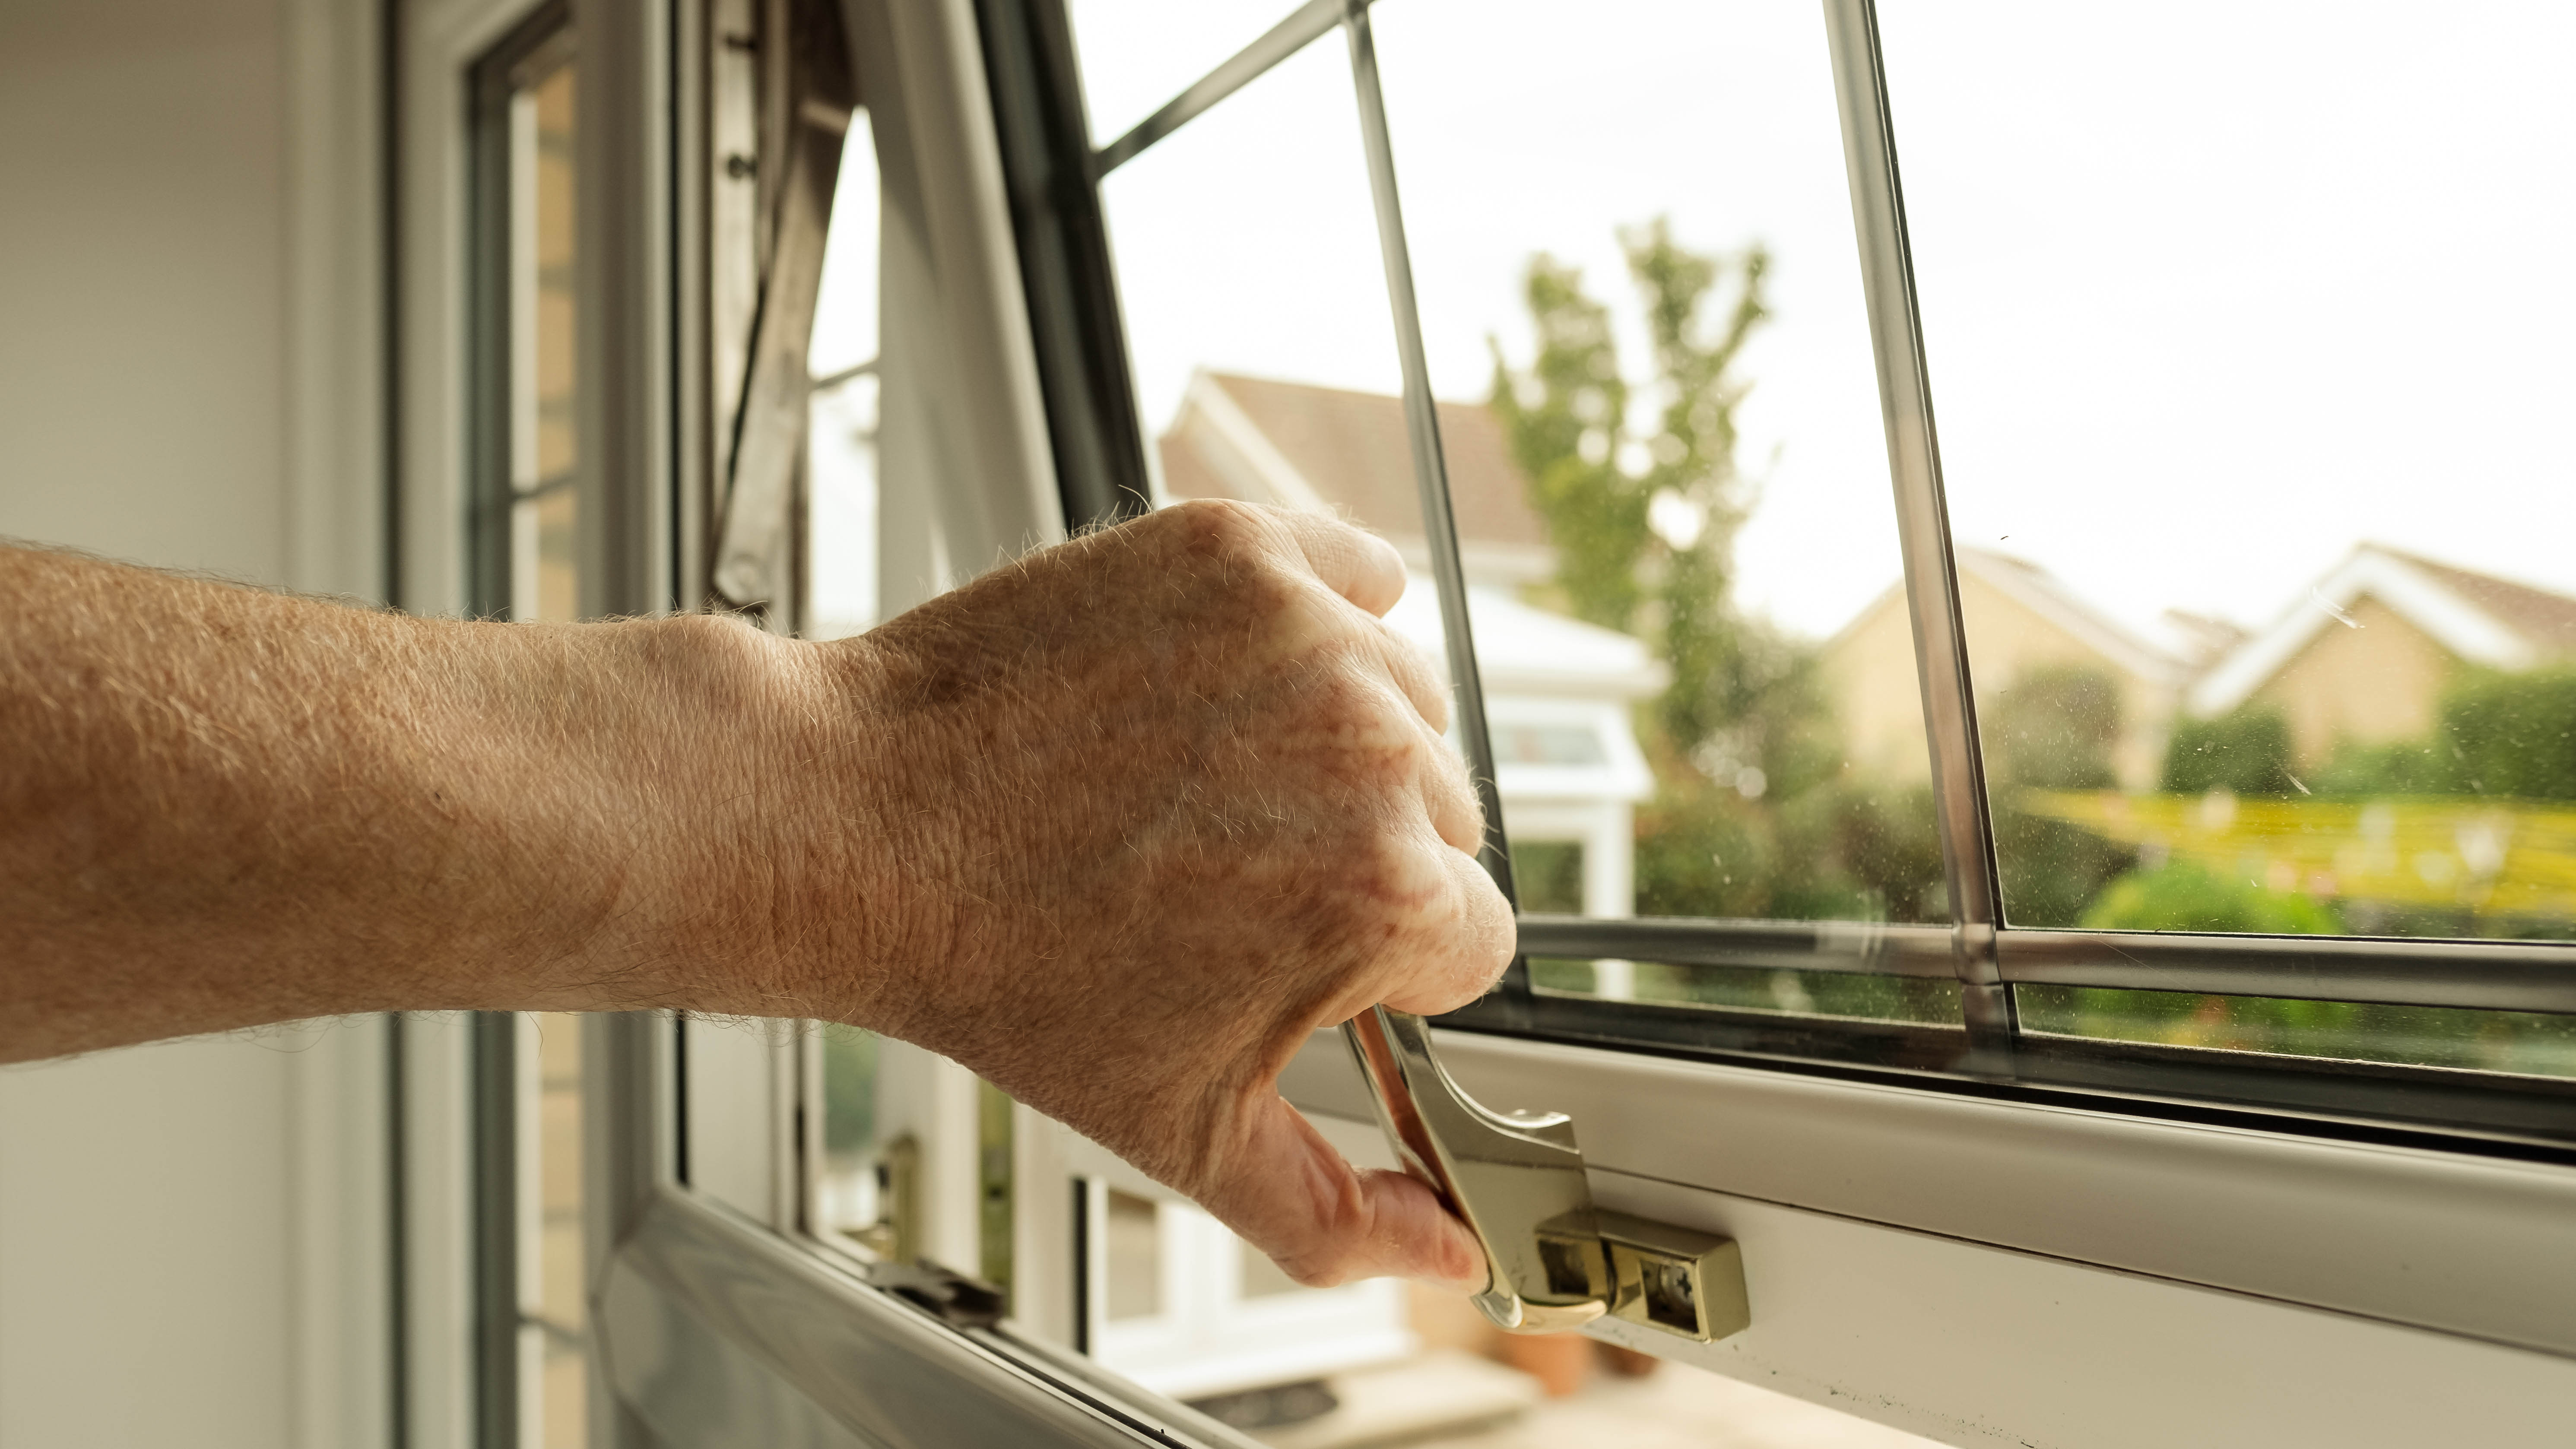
{"x": 2246, "y": 751}
{"x": 2511, "y": 734}
{"x": 2185, "y": 896}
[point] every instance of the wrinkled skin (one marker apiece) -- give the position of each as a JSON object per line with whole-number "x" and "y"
{"x": 1117, "y": 827}
{"x": 1162, "y": 802}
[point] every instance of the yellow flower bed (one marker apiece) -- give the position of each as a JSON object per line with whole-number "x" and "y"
{"x": 2489, "y": 856}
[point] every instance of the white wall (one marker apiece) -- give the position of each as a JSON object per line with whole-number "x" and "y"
{"x": 187, "y": 1232}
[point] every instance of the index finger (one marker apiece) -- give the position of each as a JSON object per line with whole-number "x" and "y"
{"x": 1352, "y": 562}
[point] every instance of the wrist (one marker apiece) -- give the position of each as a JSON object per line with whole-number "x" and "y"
{"x": 754, "y": 856}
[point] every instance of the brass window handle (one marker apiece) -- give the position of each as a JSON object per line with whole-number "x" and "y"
{"x": 1516, "y": 1180}
{"x": 1553, "y": 1261}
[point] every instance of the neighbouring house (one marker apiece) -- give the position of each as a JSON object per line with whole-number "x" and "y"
{"x": 1557, "y": 690}
{"x": 2018, "y": 617}
{"x": 2362, "y": 656}
{"x": 1347, "y": 453}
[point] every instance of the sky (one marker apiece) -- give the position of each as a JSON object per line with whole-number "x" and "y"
{"x": 2210, "y": 292}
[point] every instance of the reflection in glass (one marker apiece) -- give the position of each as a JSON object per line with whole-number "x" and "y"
{"x": 2249, "y": 417}
{"x": 2522, "y": 1042}
{"x": 1928, "y": 1001}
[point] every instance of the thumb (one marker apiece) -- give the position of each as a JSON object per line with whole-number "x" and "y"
{"x": 1326, "y": 1222}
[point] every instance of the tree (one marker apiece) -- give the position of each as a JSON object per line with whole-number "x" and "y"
{"x": 1753, "y": 815}
{"x": 1644, "y": 525}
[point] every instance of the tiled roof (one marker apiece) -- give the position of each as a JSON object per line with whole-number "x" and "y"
{"x": 2547, "y": 620}
{"x": 2477, "y": 617}
{"x": 1352, "y": 449}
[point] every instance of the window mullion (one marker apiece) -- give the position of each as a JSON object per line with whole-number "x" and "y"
{"x": 1430, "y": 469}
{"x": 1923, "y": 530}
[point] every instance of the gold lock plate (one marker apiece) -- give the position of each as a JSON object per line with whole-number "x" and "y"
{"x": 1678, "y": 1280}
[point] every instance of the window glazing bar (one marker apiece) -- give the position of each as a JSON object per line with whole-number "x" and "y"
{"x": 2477, "y": 975}
{"x": 1075, "y": 322}
{"x": 1247, "y": 65}
{"x": 1923, "y": 527}
{"x": 1430, "y": 468}
{"x": 1853, "y": 947}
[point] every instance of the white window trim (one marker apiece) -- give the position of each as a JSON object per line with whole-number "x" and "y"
{"x": 1968, "y": 1268}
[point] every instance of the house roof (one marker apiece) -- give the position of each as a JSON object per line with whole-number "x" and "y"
{"x": 1522, "y": 649}
{"x": 2548, "y": 620}
{"x": 1345, "y": 453}
{"x": 2478, "y": 617}
{"x": 2041, "y": 592}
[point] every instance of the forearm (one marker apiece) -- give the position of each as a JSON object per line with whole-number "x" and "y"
{"x": 1118, "y": 828}
{"x": 220, "y": 807}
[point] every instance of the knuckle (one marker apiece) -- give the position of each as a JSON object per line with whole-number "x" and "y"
{"x": 1215, "y": 525}
{"x": 1359, "y": 709}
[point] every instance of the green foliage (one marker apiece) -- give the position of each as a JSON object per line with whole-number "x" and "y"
{"x": 2053, "y": 729}
{"x": 1755, "y": 812}
{"x": 2409, "y": 768}
{"x": 2183, "y": 896}
{"x": 1885, "y": 840}
{"x": 849, "y": 1091}
{"x": 2434, "y": 1036}
{"x": 1841, "y": 850}
{"x": 1567, "y": 419}
{"x": 2511, "y": 734}
{"x": 2246, "y": 751}
{"x": 1563, "y": 418}
{"x": 1547, "y": 875}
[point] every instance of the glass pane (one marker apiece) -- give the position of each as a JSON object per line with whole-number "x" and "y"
{"x": 841, "y": 438}
{"x": 2250, "y": 369}
{"x": 1670, "y": 477}
{"x": 1928, "y": 1001}
{"x": 557, "y": 1330}
{"x": 1135, "y": 1258}
{"x": 1137, "y": 54}
{"x": 544, "y": 380}
{"x": 849, "y": 1196}
{"x": 1248, "y": 268}
{"x": 2522, "y": 1042}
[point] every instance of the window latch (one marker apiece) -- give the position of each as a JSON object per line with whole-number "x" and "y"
{"x": 1553, "y": 1261}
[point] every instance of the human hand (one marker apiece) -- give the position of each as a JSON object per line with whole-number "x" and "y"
{"x": 1123, "y": 825}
